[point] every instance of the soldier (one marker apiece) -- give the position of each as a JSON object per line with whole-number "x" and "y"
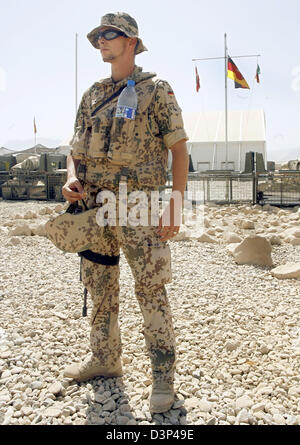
{"x": 103, "y": 158}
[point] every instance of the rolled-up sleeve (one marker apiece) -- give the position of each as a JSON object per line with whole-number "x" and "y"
{"x": 79, "y": 140}
{"x": 168, "y": 115}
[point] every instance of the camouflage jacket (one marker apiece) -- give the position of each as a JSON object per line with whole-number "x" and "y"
{"x": 142, "y": 144}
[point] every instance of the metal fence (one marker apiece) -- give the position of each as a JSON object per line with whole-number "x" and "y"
{"x": 35, "y": 186}
{"x": 276, "y": 188}
{"x": 281, "y": 189}
{"x": 54, "y": 186}
{"x": 221, "y": 188}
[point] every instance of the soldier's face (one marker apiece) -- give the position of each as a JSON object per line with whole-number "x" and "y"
{"x": 113, "y": 49}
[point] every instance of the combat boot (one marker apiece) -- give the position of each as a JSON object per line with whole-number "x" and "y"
{"x": 162, "y": 397}
{"x": 90, "y": 368}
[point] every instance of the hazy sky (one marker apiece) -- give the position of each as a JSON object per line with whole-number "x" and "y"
{"x": 37, "y": 59}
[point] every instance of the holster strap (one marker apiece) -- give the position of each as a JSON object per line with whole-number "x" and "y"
{"x": 106, "y": 260}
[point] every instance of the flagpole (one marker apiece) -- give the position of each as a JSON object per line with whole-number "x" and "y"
{"x": 226, "y": 58}
{"x": 76, "y": 72}
{"x": 34, "y": 131}
{"x": 226, "y": 103}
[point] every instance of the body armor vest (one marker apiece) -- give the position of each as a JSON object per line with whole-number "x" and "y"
{"x": 136, "y": 144}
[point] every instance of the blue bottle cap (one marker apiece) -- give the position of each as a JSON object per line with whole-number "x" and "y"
{"x": 130, "y": 83}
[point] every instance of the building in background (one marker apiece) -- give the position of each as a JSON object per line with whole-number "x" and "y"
{"x": 206, "y": 145}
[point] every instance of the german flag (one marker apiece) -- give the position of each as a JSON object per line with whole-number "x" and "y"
{"x": 234, "y": 74}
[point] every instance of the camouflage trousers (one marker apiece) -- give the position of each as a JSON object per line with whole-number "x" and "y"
{"x": 150, "y": 262}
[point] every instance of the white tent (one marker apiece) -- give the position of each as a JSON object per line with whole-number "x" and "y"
{"x": 206, "y": 131}
{"x": 64, "y": 147}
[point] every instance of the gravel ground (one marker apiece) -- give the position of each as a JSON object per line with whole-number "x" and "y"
{"x": 237, "y": 327}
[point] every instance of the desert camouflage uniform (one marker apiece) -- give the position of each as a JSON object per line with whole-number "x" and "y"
{"x": 102, "y": 151}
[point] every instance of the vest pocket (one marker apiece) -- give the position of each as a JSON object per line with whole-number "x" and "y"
{"x": 100, "y": 136}
{"x": 121, "y": 148}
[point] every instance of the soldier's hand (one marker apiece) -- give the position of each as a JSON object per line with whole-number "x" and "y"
{"x": 169, "y": 223}
{"x": 73, "y": 190}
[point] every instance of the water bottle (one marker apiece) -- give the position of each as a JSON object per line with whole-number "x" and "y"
{"x": 127, "y": 102}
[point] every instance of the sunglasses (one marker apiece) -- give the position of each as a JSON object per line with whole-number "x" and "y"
{"x": 111, "y": 34}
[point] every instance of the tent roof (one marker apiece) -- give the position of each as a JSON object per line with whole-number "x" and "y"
{"x": 209, "y": 126}
{"x": 5, "y": 151}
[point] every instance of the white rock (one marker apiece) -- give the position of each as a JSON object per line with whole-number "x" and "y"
{"x": 265, "y": 390}
{"x": 264, "y": 349}
{"x": 205, "y": 406}
{"x": 30, "y": 215}
{"x": 26, "y": 410}
{"x": 231, "y": 420}
{"x": 247, "y": 224}
{"x": 242, "y": 416}
{"x": 21, "y": 231}
{"x": 231, "y": 248}
{"x": 181, "y": 236}
{"x": 211, "y": 421}
{"x": 191, "y": 403}
{"x": 294, "y": 391}
{"x": 243, "y": 402}
{"x": 19, "y": 340}
{"x": 206, "y": 222}
{"x": 293, "y": 232}
{"x": 211, "y": 231}
{"x": 232, "y": 237}
{"x": 17, "y": 370}
{"x": 55, "y": 388}
{"x": 295, "y": 241}
{"x": 13, "y": 241}
{"x": 258, "y": 407}
{"x": 254, "y": 250}
{"x": 231, "y": 345}
{"x": 52, "y": 412}
{"x": 18, "y": 404}
{"x": 39, "y": 230}
{"x": 274, "y": 240}
{"x": 291, "y": 420}
{"x": 205, "y": 238}
{"x": 37, "y": 384}
{"x": 288, "y": 270}
{"x": 279, "y": 419}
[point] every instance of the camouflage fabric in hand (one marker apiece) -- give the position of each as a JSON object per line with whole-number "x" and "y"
{"x": 122, "y": 21}
{"x": 75, "y": 233}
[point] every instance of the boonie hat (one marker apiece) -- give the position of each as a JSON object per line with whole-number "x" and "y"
{"x": 77, "y": 231}
{"x": 69, "y": 232}
{"x": 121, "y": 21}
